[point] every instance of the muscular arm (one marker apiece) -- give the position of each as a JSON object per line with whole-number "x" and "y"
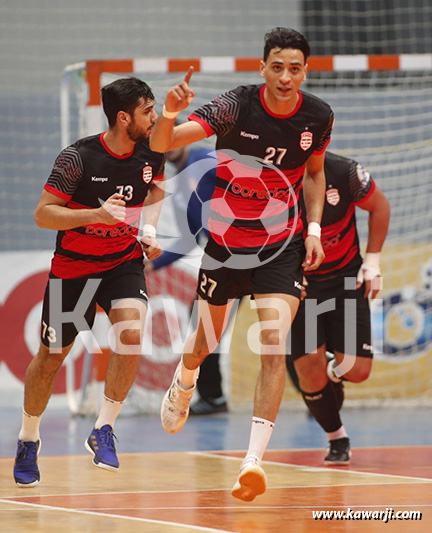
{"x": 166, "y": 137}
{"x": 52, "y": 213}
{"x": 153, "y": 202}
{"x": 379, "y": 219}
{"x": 314, "y": 191}
{"x": 151, "y": 212}
{"x": 314, "y": 186}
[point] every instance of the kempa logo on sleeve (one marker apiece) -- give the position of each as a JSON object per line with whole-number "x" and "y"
{"x": 100, "y": 179}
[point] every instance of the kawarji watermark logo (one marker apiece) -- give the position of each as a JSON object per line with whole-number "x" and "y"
{"x": 251, "y": 199}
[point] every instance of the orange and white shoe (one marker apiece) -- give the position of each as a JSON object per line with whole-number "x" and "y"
{"x": 175, "y": 404}
{"x": 251, "y": 481}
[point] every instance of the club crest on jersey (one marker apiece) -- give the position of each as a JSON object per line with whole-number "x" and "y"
{"x": 306, "y": 139}
{"x": 333, "y": 197}
{"x": 147, "y": 174}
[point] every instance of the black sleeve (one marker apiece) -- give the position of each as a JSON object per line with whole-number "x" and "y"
{"x": 325, "y": 137}
{"x": 360, "y": 182}
{"x": 221, "y": 114}
{"x": 161, "y": 169}
{"x": 67, "y": 172}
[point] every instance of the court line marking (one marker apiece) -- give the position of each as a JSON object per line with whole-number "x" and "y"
{"x": 112, "y": 515}
{"x": 234, "y": 507}
{"x": 185, "y": 491}
{"x": 319, "y": 468}
{"x": 395, "y": 446}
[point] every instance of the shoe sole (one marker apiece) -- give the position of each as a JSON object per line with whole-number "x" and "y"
{"x": 27, "y": 485}
{"x": 100, "y": 465}
{"x": 34, "y": 483}
{"x": 166, "y": 428}
{"x": 250, "y": 484}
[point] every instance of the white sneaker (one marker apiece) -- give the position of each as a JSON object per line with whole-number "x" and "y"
{"x": 251, "y": 482}
{"x": 175, "y": 405}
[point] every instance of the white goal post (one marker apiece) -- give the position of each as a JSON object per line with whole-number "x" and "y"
{"x": 383, "y": 110}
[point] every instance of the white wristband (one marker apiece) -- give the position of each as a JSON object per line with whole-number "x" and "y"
{"x": 314, "y": 229}
{"x": 169, "y": 114}
{"x": 372, "y": 260}
{"x": 149, "y": 231}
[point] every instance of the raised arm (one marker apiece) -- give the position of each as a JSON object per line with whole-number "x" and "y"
{"x": 165, "y": 136}
{"x": 314, "y": 185}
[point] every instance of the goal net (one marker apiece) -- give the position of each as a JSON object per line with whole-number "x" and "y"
{"x": 383, "y": 110}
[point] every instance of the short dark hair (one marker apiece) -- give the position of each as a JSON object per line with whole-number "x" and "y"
{"x": 124, "y": 95}
{"x": 285, "y": 38}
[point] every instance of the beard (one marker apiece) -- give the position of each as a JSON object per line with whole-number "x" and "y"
{"x": 137, "y": 135}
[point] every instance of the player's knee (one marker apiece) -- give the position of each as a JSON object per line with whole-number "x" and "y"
{"x": 273, "y": 362}
{"x": 360, "y": 372}
{"x": 273, "y": 337}
{"x": 311, "y": 371}
{"x": 202, "y": 349}
{"x": 49, "y": 363}
{"x": 131, "y": 337}
{"x": 312, "y": 381}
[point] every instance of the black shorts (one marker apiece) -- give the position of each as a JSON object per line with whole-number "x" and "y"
{"x": 125, "y": 281}
{"x": 332, "y": 326}
{"x": 280, "y": 273}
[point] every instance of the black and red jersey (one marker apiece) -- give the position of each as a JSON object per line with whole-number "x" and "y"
{"x": 255, "y": 202}
{"x": 347, "y": 184}
{"x": 86, "y": 174}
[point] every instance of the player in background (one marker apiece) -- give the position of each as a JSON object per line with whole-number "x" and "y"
{"x": 194, "y": 188}
{"x": 289, "y": 130}
{"x": 94, "y": 198}
{"x": 344, "y": 330}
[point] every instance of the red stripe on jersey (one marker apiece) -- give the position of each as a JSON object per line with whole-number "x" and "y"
{"x": 293, "y": 112}
{"x": 75, "y": 205}
{"x": 347, "y": 259}
{"x": 117, "y": 156}
{"x": 97, "y": 243}
{"x": 160, "y": 177}
{"x": 205, "y": 125}
{"x": 57, "y": 193}
{"x": 368, "y": 195}
{"x": 252, "y": 237}
{"x": 63, "y": 267}
{"x": 260, "y": 177}
{"x": 235, "y": 207}
{"x": 340, "y": 247}
{"x": 327, "y": 232}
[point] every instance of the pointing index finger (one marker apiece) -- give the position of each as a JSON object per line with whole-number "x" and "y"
{"x": 189, "y": 74}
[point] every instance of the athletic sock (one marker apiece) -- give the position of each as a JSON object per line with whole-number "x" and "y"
{"x": 30, "y": 427}
{"x": 187, "y": 377}
{"x": 261, "y": 432}
{"x": 108, "y": 413}
{"x": 338, "y": 434}
{"x": 322, "y": 404}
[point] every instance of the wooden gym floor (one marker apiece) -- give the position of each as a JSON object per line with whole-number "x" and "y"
{"x": 188, "y": 488}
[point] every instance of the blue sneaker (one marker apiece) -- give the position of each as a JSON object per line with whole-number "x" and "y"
{"x": 101, "y": 445}
{"x": 26, "y": 471}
